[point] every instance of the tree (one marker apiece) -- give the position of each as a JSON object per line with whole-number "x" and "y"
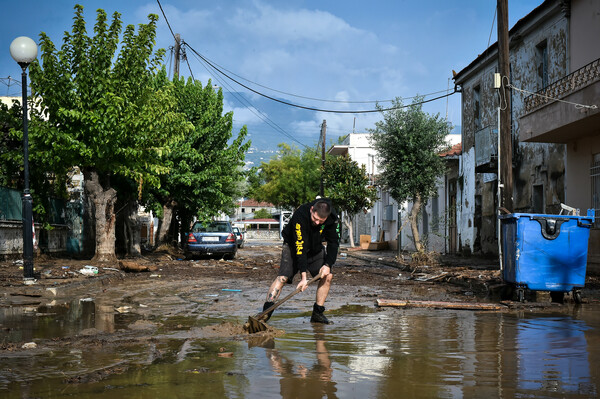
{"x": 408, "y": 142}
{"x": 347, "y": 185}
{"x": 206, "y": 166}
{"x": 11, "y": 145}
{"x": 289, "y": 180}
{"x": 262, "y": 214}
{"x": 102, "y": 113}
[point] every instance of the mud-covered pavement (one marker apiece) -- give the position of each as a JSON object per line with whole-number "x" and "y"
{"x": 79, "y": 329}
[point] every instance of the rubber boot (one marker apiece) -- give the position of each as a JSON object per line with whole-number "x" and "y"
{"x": 318, "y": 316}
{"x": 266, "y": 306}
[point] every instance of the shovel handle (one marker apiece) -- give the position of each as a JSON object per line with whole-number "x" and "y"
{"x": 288, "y": 296}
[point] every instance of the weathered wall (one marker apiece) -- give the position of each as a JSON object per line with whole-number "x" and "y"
{"x": 466, "y": 201}
{"x": 534, "y": 164}
{"x": 11, "y": 239}
{"x": 263, "y": 234}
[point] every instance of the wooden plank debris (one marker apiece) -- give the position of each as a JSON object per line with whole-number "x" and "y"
{"x": 439, "y": 305}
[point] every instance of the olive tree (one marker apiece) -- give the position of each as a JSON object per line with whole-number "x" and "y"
{"x": 408, "y": 142}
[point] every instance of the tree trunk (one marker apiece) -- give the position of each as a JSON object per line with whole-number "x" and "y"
{"x": 414, "y": 222}
{"x": 104, "y": 214}
{"x": 165, "y": 224}
{"x": 132, "y": 225}
{"x": 348, "y": 223}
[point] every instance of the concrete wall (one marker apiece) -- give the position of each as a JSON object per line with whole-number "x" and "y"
{"x": 584, "y": 33}
{"x": 11, "y": 239}
{"x": 263, "y": 234}
{"x": 579, "y": 160}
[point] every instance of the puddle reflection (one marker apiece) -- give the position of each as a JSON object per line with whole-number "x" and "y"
{"x": 365, "y": 354}
{"x": 310, "y": 380}
{"x": 59, "y": 320}
{"x": 553, "y": 355}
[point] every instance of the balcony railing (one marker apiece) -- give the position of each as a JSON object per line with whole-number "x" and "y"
{"x": 565, "y": 86}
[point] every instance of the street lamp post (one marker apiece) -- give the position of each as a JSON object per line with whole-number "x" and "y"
{"x": 24, "y": 51}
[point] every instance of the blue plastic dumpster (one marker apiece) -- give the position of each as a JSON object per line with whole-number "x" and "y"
{"x": 545, "y": 252}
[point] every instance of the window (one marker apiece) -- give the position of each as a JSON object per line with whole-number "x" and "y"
{"x": 477, "y": 107}
{"x": 243, "y": 210}
{"x": 542, "y": 64}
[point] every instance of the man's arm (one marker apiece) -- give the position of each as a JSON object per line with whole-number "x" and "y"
{"x": 333, "y": 243}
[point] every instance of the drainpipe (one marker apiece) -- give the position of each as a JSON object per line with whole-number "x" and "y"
{"x": 500, "y": 185}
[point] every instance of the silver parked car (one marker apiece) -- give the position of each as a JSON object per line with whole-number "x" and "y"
{"x": 240, "y": 236}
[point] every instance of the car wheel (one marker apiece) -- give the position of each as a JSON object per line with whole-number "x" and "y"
{"x": 230, "y": 256}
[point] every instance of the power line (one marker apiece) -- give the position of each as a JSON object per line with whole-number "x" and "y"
{"x": 492, "y": 28}
{"x": 245, "y": 103}
{"x": 264, "y": 118}
{"x": 313, "y": 108}
{"x": 165, "y": 16}
{"x": 577, "y": 105}
{"x": 313, "y": 98}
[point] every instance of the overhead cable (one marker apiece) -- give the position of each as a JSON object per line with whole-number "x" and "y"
{"x": 381, "y": 109}
{"x": 313, "y": 108}
{"x": 313, "y": 98}
{"x": 246, "y": 103}
{"x": 577, "y": 105}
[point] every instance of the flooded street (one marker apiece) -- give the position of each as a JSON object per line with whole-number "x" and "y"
{"x": 151, "y": 337}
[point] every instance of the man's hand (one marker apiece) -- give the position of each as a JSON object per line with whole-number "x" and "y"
{"x": 325, "y": 270}
{"x": 303, "y": 282}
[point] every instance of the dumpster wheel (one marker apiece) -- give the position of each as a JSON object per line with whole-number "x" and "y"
{"x": 521, "y": 294}
{"x": 577, "y": 296}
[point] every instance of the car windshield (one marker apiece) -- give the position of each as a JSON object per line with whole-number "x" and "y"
{"x": 212, "y": 227}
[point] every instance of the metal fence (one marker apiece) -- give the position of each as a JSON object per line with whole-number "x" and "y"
{"x": 11, "y": 207}
{"x": 10, "y": 204}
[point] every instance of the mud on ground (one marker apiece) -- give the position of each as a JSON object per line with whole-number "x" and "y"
{"x": 166, "y": 291}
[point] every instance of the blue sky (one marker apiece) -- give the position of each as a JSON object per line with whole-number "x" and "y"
{"x": 347, "y": 51}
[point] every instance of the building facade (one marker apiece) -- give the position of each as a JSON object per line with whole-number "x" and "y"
{"x": 538, "y": 55}
{"x": 566, "y": 111}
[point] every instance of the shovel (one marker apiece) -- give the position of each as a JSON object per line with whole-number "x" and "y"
{"x": 255, "y": 324}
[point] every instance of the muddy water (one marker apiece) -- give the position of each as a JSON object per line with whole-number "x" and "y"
{"x": 365, "y": 354}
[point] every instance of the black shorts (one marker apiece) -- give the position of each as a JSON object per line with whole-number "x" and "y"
{"x": 289, "y": 267}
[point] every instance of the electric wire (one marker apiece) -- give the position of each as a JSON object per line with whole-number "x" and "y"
{"x": 379, "y": 109}
{"x": 314, "y": 108}
{"x": 247, "y": 104}
{"x": 492, "y": 28}
{"x": 318, "y": 99}
{"x": 239, "y": 98}
{"x": 576, "y": 105}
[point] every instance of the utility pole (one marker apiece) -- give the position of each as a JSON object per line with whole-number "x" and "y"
{"x": 177, "y": 50}
{"x": 505, "y": 129}
{"x": 323, "y": 131}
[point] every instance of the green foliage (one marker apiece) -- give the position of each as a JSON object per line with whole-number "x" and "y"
{"x": 347, "y": 185}
{"x": 290, "y": 179}
{"x": 99, "y": 109}
{"x": 206, "y": 166}
{"x": 262, "y": 214}
{"x": 408, "y": 142}
{"x": 11, "y": 146}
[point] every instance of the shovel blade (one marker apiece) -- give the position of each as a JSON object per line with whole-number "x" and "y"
{"x": 255, "y": 325}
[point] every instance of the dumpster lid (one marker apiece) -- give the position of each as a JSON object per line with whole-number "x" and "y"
{"x": 590, "y": 216}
